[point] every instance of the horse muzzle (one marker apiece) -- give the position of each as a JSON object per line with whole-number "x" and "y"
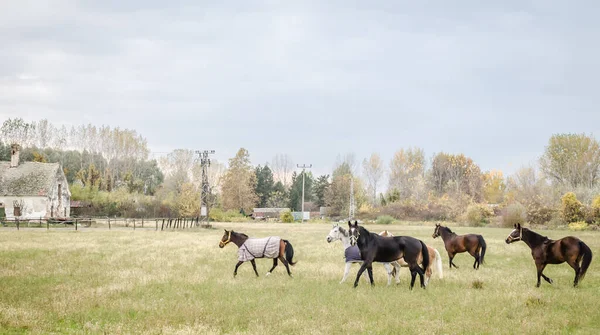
{"x": 221, "y": 244}
{"x": 328, "y": 239}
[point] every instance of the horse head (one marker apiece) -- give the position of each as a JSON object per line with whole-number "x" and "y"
{"x": 334, "y": 234}
{"x": 353, "y": 232}
{"x": 436, "y": 232}
{"x": 225, "y": 239}
{"x": 515, "y": 235}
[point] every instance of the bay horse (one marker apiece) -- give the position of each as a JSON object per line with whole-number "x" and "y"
{"x": 250, "y": 248}
{"x": 455, "y": 244}
{"x": 545, "y": 251}
{"x": 434, "y": 258}
{"x": 352, "y": 254}
{"x": 375, "y": 248}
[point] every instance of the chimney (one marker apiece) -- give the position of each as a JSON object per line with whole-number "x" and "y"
{"x": 14, "y": 155}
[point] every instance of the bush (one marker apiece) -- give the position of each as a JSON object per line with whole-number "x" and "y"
{"x": 216, "y": 215}
{"x": 513, "y": 214}
{"x": 286, "y": 217}
{"x": 595, "y": 209}
{"x": 478, "y": 214}
{"x": 579, "y": 225}
{"x": 572, "y": 209}
{"x": 384, "y": 219}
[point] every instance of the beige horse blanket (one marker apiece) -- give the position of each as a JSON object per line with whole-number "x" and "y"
{"x": 259, "y": 248}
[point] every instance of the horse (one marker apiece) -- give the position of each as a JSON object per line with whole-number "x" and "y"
{"x": 352, "y": 253}
{"x": 250, "y": 248}
{"x": 545, "y": 251}
{"x": 455, "y": 244}
{"x": 375, "y": 248}
{"x": 434, "y": 257}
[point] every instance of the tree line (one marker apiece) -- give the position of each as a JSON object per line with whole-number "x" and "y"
{"x": 110, "y": 169}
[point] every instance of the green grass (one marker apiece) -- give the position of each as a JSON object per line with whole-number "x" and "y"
{"x": 180, "y": 282}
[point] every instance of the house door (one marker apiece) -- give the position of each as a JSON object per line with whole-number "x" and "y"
{"x": 2, "y": 213}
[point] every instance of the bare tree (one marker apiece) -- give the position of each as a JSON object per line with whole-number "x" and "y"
{"x": 373, "y": 169}
{"x": 282, "y": 167}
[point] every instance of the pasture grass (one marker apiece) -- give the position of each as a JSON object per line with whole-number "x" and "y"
{"x": 97, "y": 281}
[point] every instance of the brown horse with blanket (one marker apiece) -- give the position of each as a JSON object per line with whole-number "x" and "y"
{"x": 250, "y": 248}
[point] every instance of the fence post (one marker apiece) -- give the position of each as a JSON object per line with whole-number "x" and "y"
{"x": 109, "y": 223}
{"x": 17, "y": 224}
{"x": 75, "y": 224}
{"x": 142, "y": 222}
{"x": 47, "y": 224}
{"x": 133, "y": 224}
{"x": 40, "y": 221}
{"x": 163, "y": 225}
{"x": 156, "y": 224}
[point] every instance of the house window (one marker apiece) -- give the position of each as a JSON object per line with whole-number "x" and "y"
{"x": 17, "y": 211}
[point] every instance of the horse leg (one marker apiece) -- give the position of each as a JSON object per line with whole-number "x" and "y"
{"x": 362, "y": 269}
{"x": 388, "y": 269}
{"x": 397, "y": 272}
{"x": 575, "y": 267}
{"x": 476, "y": 256}
{"x": 540, "y": 268}
{"x": 254, "y": 266}
{"x": 451, "y": 257}
{"x": 236, "y": 267}
{"x": 274, "y": 265}
{"x": 286, "y": 264}
{"x": 370, "y": 272}
{"x": 346, "y": 271}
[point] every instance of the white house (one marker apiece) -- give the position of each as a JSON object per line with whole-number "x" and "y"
{"x": 32, "y": 190}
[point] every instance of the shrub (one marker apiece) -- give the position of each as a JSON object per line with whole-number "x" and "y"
{"x": 572, "y": 209}
{"x": 513, "y": 214}
{"x": 579, "y": 225}
{"x": 478, "y": 214}
{"x": 384, "y": 219}
{"x": 286, "y": 217}
{"x": 595, "y": 209}
{"x": 216, "y": 214}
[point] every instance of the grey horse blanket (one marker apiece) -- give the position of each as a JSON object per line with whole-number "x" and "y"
{"x": 352, "y": 254}
{"x": 259, "y": 248}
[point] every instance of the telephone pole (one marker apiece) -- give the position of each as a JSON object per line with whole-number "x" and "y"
{"x": 303, "y": 167}
{"x": 205, "y": 193}
{"x": 352, "y": 203}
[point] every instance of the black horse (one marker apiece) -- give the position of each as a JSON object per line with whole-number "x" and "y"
{"x": 375, "y": 248}
{"x": 545, "y": 251}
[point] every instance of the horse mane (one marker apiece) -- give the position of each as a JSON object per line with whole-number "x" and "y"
{"x": 240, "y": 234}
{"x": 538, "y": 237}
{"x": 449, "y": 230}
{"x": 343, "y": 231}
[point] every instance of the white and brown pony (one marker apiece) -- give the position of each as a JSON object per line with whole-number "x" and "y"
{"x": 434, "y": 258}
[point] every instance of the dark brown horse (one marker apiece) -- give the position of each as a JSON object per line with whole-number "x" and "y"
{"x": 545, "y": 251}
{"x": 250, "y": 248}
{"x": 455, "y": 244}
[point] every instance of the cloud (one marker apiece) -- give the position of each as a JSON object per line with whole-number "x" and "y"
{"x": 313, "y": 79}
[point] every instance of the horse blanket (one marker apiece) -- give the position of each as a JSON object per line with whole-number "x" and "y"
{"x": 259, "y": 248}
{"x": 352, "y": 254}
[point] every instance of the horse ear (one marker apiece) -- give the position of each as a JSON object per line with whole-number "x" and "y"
{"x": 518, "y": 226}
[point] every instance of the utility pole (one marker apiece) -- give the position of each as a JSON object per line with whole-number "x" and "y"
{"x": 303, "y": 167}
{"x": 205, "y": 193}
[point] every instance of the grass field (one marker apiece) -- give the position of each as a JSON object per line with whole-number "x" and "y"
{"x": 180, "y": 282}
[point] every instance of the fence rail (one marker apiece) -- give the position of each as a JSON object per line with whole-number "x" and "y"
{"x": 103, "y": 222}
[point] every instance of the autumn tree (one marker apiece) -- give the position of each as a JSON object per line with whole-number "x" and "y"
{"x": 456, "y": 174}
{"x": 373, "y": 170}
{"x": 493, "y": 186}
{"x": 337, "y": 195}
{"x": 239, "y": 183}
{"x": 407, "y": 170}
{"x": 572, "y": 160}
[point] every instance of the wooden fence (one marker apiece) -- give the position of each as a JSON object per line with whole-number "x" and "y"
{"x": 110, "y": 223}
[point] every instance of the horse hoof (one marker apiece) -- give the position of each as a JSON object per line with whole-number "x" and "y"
{"x": 268, "y": 273}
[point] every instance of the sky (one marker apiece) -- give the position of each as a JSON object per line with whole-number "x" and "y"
{"x": 312, "y": 79}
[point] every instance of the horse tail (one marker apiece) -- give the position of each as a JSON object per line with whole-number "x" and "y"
{"x": 587, "y": 258}
{"x": 483, "y": 246}
{"x": 438, "y": 263}
{"x": 289, "y": 252}
{"x": 425, "y": 253}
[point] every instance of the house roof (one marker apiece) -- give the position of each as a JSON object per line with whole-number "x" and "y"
{"x": 28, "y": 178}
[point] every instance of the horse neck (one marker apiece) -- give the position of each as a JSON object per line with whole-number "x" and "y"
{"x": 531, "y": 238}
{"x": 365, "y": 236}
{"x": 345, "y": 241}
{"x": 446, "y": 234}
{"x": 238, "y": 239}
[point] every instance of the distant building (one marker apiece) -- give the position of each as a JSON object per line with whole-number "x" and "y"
{"x": 266, "y": 213}
{"x": 33, "y": 190}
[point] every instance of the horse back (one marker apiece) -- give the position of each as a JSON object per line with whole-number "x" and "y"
{"x": 562, "y": 250}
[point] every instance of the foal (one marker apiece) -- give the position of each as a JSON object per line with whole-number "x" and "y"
{"x": 545, "y": 251}
{"x": 375, "y": 248}
{"x": 455, "y": 244}
{"x": 251, "y": 248}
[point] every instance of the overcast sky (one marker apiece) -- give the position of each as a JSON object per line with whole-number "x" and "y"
{"x": 313, "y": 79}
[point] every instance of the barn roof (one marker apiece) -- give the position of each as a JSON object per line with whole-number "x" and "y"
{"x": 28, "y": 178}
